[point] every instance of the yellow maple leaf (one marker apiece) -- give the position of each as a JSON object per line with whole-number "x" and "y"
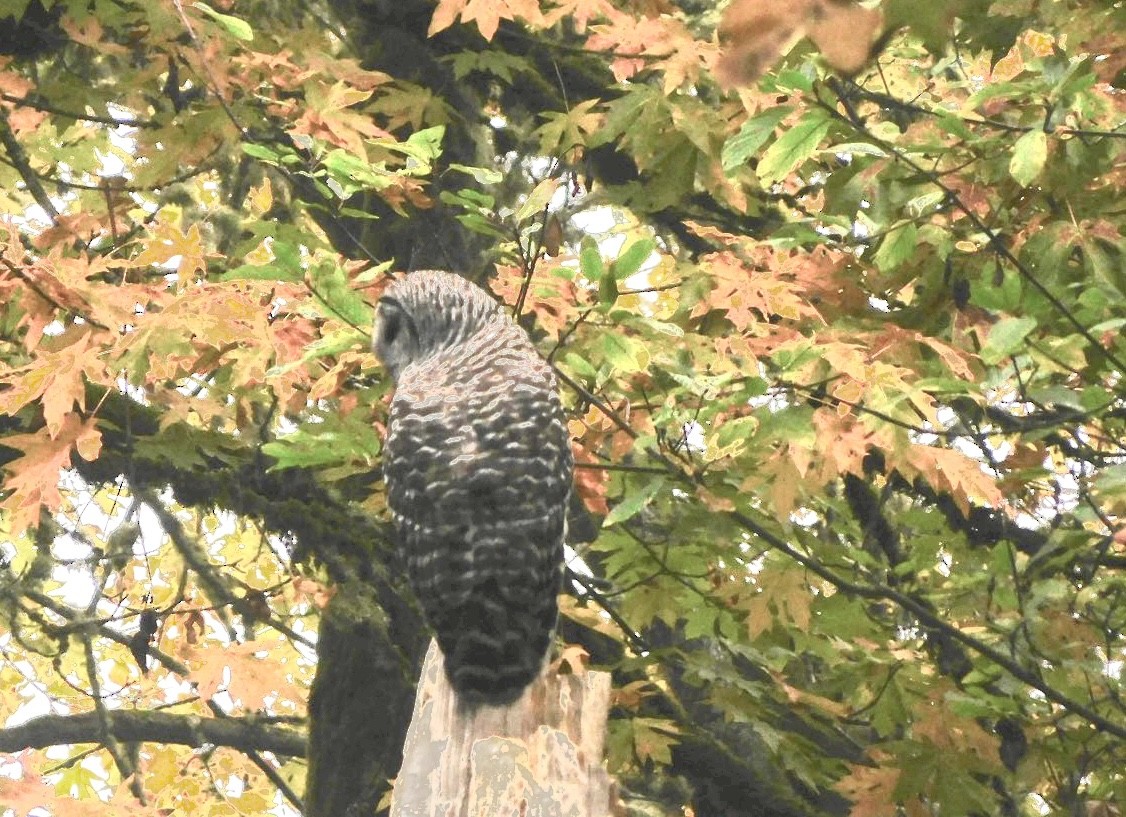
{"x": 168, "y": 242}
{"x": 784, "y": 597}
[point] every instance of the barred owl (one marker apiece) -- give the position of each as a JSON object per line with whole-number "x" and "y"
{"x": 478, "y": 471}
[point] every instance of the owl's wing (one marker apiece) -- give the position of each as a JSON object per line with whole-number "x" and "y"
{"x": 477, "y": 484}
{"x": 460, "y": 457}
{"x": 435, "y": 458}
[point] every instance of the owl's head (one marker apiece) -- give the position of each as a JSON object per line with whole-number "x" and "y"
{"x": 425, "y": 312}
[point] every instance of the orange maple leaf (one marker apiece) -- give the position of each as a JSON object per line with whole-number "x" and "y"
{"x": 486, "y": 13}
{"x": 952, "y": 471}
{"x": 842, "y": 443}
{"x": 31, "y": 792}
{"x": 784, "y": 596}
{"x": 253, "y": 674}
{"x": 579, "y": 13}
{"x": 330, "y": 115}
{"x": 680, "y": 55}
{"x": 871, "y": 790}
{"x": 749, "y": 295}
{"x": 934, "y": 721}
{"x": 590, "y": 483}
{"x": 782, "y": 470}
{"x": 756, "y": 32}
{"x": 574, "y": 657}
{"x": 33, "y": 478}
{"x": 552, "y": 300}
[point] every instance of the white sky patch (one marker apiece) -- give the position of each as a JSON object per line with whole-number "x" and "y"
{"x": 111, "y": 164}
{"x": 597, "y": 221}
{"x": 804, "y": 517}
{"x": 693, "y": 437}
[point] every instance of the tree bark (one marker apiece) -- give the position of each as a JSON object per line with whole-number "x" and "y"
{"x": 360, "y": 704}
{"x": 542, "y": 755}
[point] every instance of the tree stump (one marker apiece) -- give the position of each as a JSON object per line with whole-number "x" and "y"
{"x": 538, "y": 757}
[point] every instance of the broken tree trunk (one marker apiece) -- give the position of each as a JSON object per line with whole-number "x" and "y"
{"x": 539, "y": 757}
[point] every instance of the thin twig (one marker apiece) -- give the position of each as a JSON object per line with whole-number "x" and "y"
{"x": 35, "y": 104}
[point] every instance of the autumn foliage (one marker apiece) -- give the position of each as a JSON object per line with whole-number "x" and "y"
{"x": 836, "y": 293}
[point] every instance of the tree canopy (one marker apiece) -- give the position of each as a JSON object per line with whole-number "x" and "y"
{"x": 836, "y": 293}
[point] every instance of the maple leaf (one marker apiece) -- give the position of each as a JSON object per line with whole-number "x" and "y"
{"x": 486, "y": 13}
{"x": 574, "y": 657}
{"x": 550, "y": 298}
{"x": 54, "y": 378}
{"x": 871, "y": 790}
{"x": 784, "y": 597}
{"x": 31, "y": 794}
{"x": 56, "y": 280}
{"x": 714, "y": 501}
{"x": 33, "y": 478}
{"x": 755, "y": 33}
{"x": 12, "y": 83}
{"x": 905, "y": 342}
{"x": 679, "y": 56}
{"x": 1031, "y": 44}
{"x": 847, "y": 442}
{"x": 249, "y": 672}
{"x": 824, "y": 275}
{"x": 684, "y": 65}
{"x": 589, "y": 616}
{"x": 579, "y": 13}
{"x": 954, "y": 472}
{"x": 935, "y": 722}
{"x": 795, "y": 696}
{"x": 653, "y": 738}
{"x": 631, "y": 39}
{"x": 591, "y": 486}
{"x": 564, "y": 131}
{"x": 26, "y": 120}
{"x": 89, "y": 32}
{"x": 782, "y": 471}
{"x": 349, "y": 70}
{"x": 329, "y": 115}
{"x": 749, "y": 295}
{"x": 168, "y": 242}
{"x": 444, "y": 15}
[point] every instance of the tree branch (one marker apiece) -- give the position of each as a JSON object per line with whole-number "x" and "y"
{"x": 20, "y": 162}
{"x": 999, "y": 246}
{"x": 930, "y": 619}
{"x": 39, "y": 105}
{"x": 244, "y": 734}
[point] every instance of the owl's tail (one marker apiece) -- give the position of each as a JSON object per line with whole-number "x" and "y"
{"x": 497, "y": 643}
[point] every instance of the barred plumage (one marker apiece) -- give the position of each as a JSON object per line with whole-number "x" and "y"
{"x": 478, "y": 470}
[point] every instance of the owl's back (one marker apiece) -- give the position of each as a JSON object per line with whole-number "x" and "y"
{"x": 478, "y": 472}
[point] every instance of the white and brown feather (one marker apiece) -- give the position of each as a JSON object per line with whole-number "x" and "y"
{"x": 478, "y": 470}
